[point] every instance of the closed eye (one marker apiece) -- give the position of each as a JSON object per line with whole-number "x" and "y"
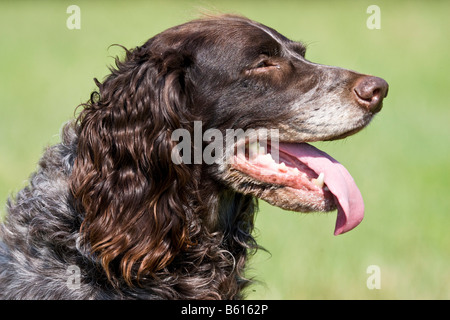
{"x": 263, "y": 66}
{"x": 266, "y": 63}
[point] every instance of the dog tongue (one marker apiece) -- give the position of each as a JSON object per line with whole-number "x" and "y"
{"x": 348, "y": 198}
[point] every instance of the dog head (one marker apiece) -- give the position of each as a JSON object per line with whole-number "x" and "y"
{"x": 246, "y": 76}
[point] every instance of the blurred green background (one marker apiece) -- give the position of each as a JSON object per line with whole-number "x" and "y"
{"x": 401, "y": 162}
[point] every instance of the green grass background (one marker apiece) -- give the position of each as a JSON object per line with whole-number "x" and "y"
{"x": 401, "y": 162}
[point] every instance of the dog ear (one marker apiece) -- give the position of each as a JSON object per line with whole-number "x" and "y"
{"x": 133, "y": 197}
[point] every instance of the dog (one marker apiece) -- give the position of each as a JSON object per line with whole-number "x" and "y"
{"x": 110, "y": 214}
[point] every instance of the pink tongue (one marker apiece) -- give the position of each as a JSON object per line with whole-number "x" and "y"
{"x": 349, "y": 202}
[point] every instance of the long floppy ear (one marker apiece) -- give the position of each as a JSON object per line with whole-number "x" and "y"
{"x": 123, "y": 178}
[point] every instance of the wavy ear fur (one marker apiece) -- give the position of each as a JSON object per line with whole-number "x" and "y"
{"x": 123, "y": 177}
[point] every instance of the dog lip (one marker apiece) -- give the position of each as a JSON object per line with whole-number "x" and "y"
{"x": 282, "y": 170}
{"x": 305, "y": 194}
{"x": 303, "y": 166}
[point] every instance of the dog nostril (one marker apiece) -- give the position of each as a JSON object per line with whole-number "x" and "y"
{"x": 370, "y": 92}
{"x": 376, "y": 92}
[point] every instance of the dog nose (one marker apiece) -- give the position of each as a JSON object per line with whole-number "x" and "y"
{"x": 370, "y": 92}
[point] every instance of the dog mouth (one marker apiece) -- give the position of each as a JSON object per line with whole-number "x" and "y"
{"x": 313, "y": 179}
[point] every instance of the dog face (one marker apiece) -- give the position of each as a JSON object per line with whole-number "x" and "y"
{"x": 243, "y": 75}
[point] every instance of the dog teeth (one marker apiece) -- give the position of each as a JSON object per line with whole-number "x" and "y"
{"x": 266, "y": 159}
{"x": 319, "y": 181}
{"x": 282, "y": 167}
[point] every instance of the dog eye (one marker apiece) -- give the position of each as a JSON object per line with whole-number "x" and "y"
{"x": 263, "y": 67}
{"x": 265, "y": 62}
{"x": 262, "y": 64}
